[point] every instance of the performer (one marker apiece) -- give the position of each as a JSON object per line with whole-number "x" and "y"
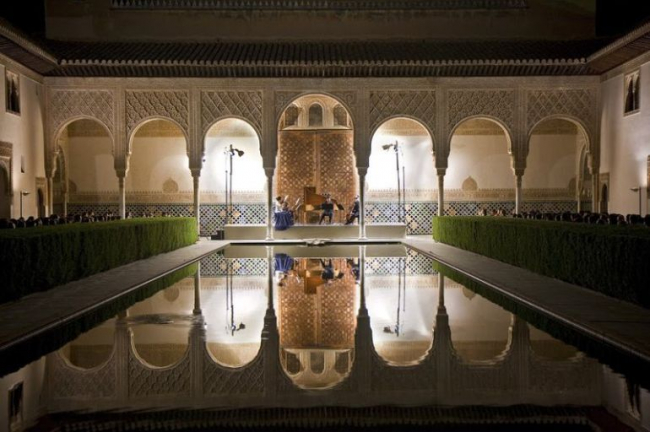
{"x": 354, "y": 212}
{"x": 278, "y": 204}
{"x": 328, "y": 210}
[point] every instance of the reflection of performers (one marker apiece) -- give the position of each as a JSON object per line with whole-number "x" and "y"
{"x": 328, "y": 210}
{"x": 354, "y": 268}
{"x": 354, "y": 212}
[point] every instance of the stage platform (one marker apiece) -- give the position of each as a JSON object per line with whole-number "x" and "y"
{"x": 303, "y": 232}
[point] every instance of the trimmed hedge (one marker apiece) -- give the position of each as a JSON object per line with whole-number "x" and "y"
{"x": 614, "y": 260}
{"x": 36, "y": 259}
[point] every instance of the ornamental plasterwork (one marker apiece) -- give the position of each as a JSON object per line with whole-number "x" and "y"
{"x": 218, "y": 380}
{"x": 499, "y": 104}
{"x": 68, "y": 104}
{"x": 577, "y": 103}
{"x": 144, "y": 104}
{"x": 420, "y": 105}
{"x": 238, "y": 103}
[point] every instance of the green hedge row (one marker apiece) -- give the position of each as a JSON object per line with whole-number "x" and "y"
{"x": 614, "y": 260}
{"x": 36, "y": 259}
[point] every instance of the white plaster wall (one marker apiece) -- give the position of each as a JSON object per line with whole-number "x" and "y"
{"x": 248, "y": 170}
{"x": 32, "y": 377}
{"x": 483, "y": 157}
{"x": 25, "y": 132}
{"x": 551, "y": 162}
{"x": 90, "y": 164}
{"x": 416, "y": 157}
{"x": 155, "y": 160}
{"x": 625, "y": 144}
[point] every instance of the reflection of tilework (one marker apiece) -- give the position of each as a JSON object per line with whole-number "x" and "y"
{"x": 99, "y": 209}
{"x": 416, "y": 264}
{"x": 215, "y": 265}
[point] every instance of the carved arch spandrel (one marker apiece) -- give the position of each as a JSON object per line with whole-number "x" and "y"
{"x": 418, "y": 105}
{"x": 66, "y": 105}
{"x": 497, "y": 104}
{"x": 579, "y": 105}
{"x": 243, "y": 104}
{"x": 145, "y": 104}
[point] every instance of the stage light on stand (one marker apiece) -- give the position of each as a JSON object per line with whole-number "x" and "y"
{"x": 401, "y": 186}
{"x": 230, "y": 152}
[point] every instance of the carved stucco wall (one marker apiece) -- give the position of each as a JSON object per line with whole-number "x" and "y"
{"x": 518, "y": 107}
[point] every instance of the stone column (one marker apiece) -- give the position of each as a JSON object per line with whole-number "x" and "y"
{"x": 362, "y": 202}
{"x": 363, "y": 347}
{"x": 441, "y": 191}
{"x": 519, "y": 175}
{"x": 197, "y": 198}
{"x": 50, "y": 195}
{"x": 269, "y": 203}
{"x": 64, "y": 192}
{"x": 122, "y": 198}
{"x": 595, "y": 195}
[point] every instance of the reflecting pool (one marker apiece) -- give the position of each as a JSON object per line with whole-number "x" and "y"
{"x": 263, "y": 337}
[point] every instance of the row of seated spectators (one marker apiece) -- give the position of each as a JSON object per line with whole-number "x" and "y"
{"x": 68, "y": 219}
{"x": 582, "y": 217}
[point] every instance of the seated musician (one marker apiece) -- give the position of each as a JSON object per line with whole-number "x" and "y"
{"x": 354, "y": 213}
{"x": 278, "y": 204}
{"x": 328, "y": 210}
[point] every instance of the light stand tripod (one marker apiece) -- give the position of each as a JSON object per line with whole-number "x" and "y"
{"x": 230, "y": 152}
{"x": 401, "y": 185}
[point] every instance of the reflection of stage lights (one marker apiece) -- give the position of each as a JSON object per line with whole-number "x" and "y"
{"x": 234, "y": 328}
{"x": 395, "y": 330}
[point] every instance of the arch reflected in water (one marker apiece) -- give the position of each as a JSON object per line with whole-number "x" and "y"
{"x": 317, "y": 302}
{"x": 401, "y": 308}
{"x": 92, "y": 349}
{"x": 479, "y": 328}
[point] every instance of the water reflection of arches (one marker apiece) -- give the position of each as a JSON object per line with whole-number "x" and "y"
{"x": 317, "y": 302}
{"x": 92, "y": 349}
{"x": 479, "y": 328}
{"x": 315, "y": 150}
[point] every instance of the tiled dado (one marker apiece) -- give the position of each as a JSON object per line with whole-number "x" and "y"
{"x": 418, "y": 214}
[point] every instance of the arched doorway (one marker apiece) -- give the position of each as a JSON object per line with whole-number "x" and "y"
{"x": 316, "y": 156}
{"x": 5, "y": 193}
{"x": 84, "y": 176}
{"x": 416, "y": 175}
{"x": 159, "y": 181}
{"x": 479, "y": 178}
{"x": 247, "y": 202}
{"x": 557, "y": 176}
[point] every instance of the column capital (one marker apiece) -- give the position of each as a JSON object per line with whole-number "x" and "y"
{"x": 441, "y": 171}
{"x": 363, "y": 171}
{"x": 196, "y": 172}
{"x": 269, "y": 171}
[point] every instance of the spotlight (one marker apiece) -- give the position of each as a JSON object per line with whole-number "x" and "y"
{"x": 387, "y": 146}
{"x": 234, "y": 151}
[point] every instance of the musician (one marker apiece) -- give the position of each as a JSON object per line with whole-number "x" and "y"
{"x": 279, "y": 203}
{"x": 328, "y": 210}
{"x": 354, "y": 212}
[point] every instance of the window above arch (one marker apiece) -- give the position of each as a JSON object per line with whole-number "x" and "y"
{"x": 340, "y": 116}
{"x": 291, "y": 116}
{"x": 315, "y": 115}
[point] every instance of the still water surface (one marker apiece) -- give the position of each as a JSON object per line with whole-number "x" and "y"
{"x": 307, "y": 327}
